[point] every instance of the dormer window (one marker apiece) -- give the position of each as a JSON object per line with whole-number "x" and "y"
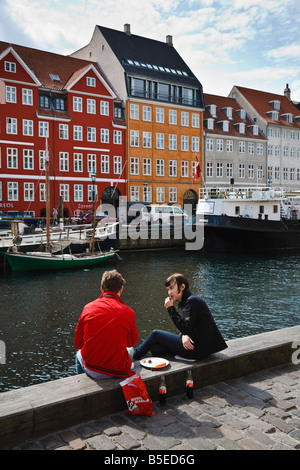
{"x": 288, "y": 117}
{"x": 213, "y": 110}
{"x": 254, "y": 129}
{"x": 228, "y": 112}
{"x": 210, "y": 123}
{"x": 273, "y": 115}
{"x": 54, "y": 77}
{"x": 240, "y": 127}
{"x": 224, "y": 125}
{"x": 241, "y": 113}
{"x": 275, "y": 104}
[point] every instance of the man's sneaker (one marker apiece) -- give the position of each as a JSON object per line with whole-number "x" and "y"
{"x": 130, "y": 352}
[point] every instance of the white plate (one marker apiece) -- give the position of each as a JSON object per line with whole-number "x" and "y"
{"x": 154, "y": 363}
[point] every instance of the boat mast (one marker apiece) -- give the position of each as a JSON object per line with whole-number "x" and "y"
{"x": 47, "y": 197}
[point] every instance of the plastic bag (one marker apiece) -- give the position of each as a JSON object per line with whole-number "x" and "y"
{"x": 136, "y": 396}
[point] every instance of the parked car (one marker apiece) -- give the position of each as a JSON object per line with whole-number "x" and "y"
{"x": 26, "y": 216}
{"x": 131, "y": 210}
{"x": 163, "y": 213}
{"x": 100, "y": 217}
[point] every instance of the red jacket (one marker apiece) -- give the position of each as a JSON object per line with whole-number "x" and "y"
{"x": 105, "y": 329}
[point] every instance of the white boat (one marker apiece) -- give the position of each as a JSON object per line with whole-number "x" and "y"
{"x": 247, "y": 219}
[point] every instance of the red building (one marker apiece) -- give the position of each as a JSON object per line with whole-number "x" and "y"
{"x": 68, "y": 105}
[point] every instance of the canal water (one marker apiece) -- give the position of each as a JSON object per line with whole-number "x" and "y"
{"x": 247, "y": 294}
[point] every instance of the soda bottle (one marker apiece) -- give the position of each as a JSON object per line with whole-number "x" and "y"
{"x": 162, "y": 391}
{"x": 189, "y": 384}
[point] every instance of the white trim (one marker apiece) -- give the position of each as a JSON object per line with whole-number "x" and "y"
{"x": 91, "y": 149}
{"x": 85, "y": 71}
{"x": 22, "y": 63}
{"x": 11, "y": 142}
{"x": 27, "y": 178}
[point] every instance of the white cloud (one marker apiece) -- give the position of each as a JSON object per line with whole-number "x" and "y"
{"x": 284, "y": 52}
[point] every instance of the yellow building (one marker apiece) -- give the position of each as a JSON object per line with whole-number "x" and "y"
{"x": 163, "y": 104}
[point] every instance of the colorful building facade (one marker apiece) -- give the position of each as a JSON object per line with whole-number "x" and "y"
{"x": 66, "y": 106}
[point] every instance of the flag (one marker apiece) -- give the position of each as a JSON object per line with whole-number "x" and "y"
{"x": 197, "y": 171}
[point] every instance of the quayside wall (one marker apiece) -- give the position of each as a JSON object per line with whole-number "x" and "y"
{"x": 32, "y": 412}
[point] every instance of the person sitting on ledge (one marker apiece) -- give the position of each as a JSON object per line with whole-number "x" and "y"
{"x": 105, "y": 329}
{"x": 199, "y": 335}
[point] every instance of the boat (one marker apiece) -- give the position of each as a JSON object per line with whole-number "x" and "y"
{"x": 39, "y": 261}
{"x": 49, "y": 258}
{"x": 249, "y": 219}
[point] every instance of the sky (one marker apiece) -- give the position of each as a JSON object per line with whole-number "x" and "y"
{"x": 249, "y": 43}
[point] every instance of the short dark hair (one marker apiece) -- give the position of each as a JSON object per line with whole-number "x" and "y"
{"x": 179, "y": 279}
{"x": 112, "y": 281}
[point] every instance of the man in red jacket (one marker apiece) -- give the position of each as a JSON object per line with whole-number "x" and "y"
{"x": 105, "y": 329}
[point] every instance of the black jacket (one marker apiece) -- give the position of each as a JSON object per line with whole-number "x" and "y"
{"x": 196, "y": 321}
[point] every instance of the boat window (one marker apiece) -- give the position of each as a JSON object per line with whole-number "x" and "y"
{"x": 261, "y": 209}
{"x": 275, "y": 209}
{"x": 237, "y": 210}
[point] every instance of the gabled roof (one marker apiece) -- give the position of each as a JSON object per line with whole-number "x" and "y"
{"x": 261, "y": 102}
{"x": 42, "y": 64}
{"x": 149, "y": 52}
{"x": 222, "y": 103}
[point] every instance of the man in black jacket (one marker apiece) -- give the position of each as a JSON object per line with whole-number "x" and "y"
{"x": 199, "y": 335}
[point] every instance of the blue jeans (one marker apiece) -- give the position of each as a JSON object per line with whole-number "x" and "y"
{"x": 80, "y": 369}
{"x": 162, "y": 342}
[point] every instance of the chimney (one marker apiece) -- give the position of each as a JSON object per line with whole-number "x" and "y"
{"x": 287, "y": 92}
{"x": 127, "y": 29}
{"x": 169, "y": 40}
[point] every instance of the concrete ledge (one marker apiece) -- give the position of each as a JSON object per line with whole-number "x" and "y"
{"x": 32, "y": 412}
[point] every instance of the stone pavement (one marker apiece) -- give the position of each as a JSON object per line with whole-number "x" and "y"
{"x": 260, "y": 411}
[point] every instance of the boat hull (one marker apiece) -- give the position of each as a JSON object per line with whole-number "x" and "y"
{"x": 225, "y": 233}
{"x": 33, "y": 262}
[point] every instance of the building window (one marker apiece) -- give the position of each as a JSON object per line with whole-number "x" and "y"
{"x": 219, "y": 170}
{"x": 104, "y": 136}
{"x": 10, "y": 67}
{"x": 184, "y": 169}
{"x": 251, "y": 148}
{"x": 173, "y": 168}
{"x": 146, "y": 166}
{"x": 78, "y": 159}
{"x": 147, "y": 139}
{"x": 11, "y": 126}
{"x": 220, "y": 143}
{"x": 77, "y": 132}
{"x": 241, "y": 170}
{"x": 104, "y": 108}
{"x": 91, "y": 134}
{"x": 27, "y": 97}
{"x": 209, "y": 169}
{"x": 146, "y": 113}
{"x": 12, "y": 191}
{"x": 172, "y": 142}
{"x": 117, "y": 137}
{"x": 78, "y": 192}
{"x": 160, "y": 195}
{"x": 134, "y": 139}
{"x": 92, "y": 163}
{"x": 42, "y": 192}
{"x": 43, "y": 129}
{"x": 91, "y": 106}
{"x": 260, "y": 173}
{"x": 160, "y": 115}
{"x": 11, "y": 94}
{"x": 28, "y": 191}
{"x": 195, "y": 120}
{"x": 195, "y": 144}
{"x": 160, "y": 167}
{"x": 59, "y": 104}
{"x": 134, "y": 111}
{"x": 229, "y": 145}
{"x": 209, "y": 144}
{"x": 160, "y": 141}
{"x": 184, "y": 143}
{"x": 117, "y": 165}
{"x": 63, "y": 161}
{"x": 259, "y": 149}
{"x": 27, "y": 127}
{"x": 134, "y": 193}
{"x": 173, "y": 116}
{"x": 64, "y": 131}
{"x": 77, "y": 104}
{"x": 134, "y": 166}
{"x": 173, "y": 194}
{"x": 242, "y": 147}
{"x": 44, "y": 102}
{"x": 91, "y": 81}
{"x": 251, "y": 171}
{"x": 28, "y": 159}
{"x": 184, "y": 119}
{"x": 12, "y": 158}
{"x": 42, "y": 159}
{"x": 147, "y": 194}
{"x": 64, "y": 192}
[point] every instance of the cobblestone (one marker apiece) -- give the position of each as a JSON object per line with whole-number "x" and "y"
{"x": 257, "y": 412}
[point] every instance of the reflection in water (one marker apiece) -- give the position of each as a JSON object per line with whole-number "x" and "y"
{"x": 39, "y": 311}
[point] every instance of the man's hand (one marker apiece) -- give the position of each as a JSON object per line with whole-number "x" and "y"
{"x": 168, "y": 302}
{"x": 187, "y": 342}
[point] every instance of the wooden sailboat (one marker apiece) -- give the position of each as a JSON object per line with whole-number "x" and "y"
{"x": 50, "y": 259}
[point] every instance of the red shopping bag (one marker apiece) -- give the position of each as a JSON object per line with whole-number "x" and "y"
{"x": 136, "y": 396}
